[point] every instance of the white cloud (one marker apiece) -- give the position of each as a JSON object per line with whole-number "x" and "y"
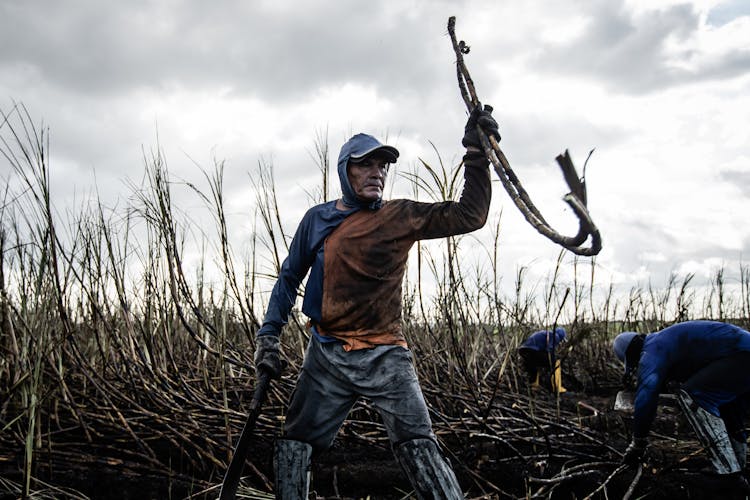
{"x": 660, "y": 89}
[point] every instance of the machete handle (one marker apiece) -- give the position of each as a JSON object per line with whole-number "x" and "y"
{"x": 261, "y": 389}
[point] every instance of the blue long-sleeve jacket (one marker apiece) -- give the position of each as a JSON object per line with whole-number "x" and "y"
{"x": 674, "y": 354}
{"x": 305, "y": 253}
{"x": 544, "y": 340}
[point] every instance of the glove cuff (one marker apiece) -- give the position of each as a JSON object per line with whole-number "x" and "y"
{"x": 267, "y": 343}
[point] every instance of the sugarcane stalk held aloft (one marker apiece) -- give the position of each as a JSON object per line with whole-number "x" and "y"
{"x": 576, "y": 198}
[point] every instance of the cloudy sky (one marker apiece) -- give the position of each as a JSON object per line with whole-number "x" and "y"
{"x": 661, "y": 90}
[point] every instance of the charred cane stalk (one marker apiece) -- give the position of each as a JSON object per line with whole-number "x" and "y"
{"x": 576, "y": 199}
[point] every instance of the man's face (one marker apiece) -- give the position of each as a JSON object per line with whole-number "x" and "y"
{"x": 367, "y": 178}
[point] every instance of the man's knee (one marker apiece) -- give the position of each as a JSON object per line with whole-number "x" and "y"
{"x": 318, "y": 441}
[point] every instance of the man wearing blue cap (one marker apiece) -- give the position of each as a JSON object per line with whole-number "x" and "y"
{"x": 710, "y": 359}
{"x": 356, "y": 249}
{"x": 538, "y": 354}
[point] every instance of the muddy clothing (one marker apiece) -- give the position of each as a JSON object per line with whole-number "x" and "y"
{"x": 709, "y": 358}
{"x": 357, "y": 259}
{"x": 332, "y": 380}
{"x": 365, "y": 260}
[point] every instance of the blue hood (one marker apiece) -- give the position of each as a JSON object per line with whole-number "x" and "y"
{"x": 358, "y": 147}
{"x": 620, "y": 346}
{"x": 559, "y": 334}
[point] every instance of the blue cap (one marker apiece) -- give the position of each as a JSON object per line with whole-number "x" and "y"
{"x": 361, "y": 146}
{"x": 357, "y": 149}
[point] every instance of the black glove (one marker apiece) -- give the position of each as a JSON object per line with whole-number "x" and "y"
{"x": 267, "y": 356}
{"x": 483, "y": 118}
{"x": 634, "y": 453}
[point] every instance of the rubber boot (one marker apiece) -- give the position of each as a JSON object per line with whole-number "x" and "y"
{"x": 291, "y": 462}
{"x": 557, "y": 378}
{"x": 739, "y": 445}
{"x": 712, "y": 433}
{"x": 428, "y": 471}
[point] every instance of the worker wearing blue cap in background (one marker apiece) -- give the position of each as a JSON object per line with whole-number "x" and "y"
{"x": 538, "y": 354}
{"x": 710, "y": 359}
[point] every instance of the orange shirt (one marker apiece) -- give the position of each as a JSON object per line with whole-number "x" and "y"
{"x": 366, "y": 255}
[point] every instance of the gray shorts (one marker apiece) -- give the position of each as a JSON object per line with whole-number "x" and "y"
{"x": 331, "y": 381}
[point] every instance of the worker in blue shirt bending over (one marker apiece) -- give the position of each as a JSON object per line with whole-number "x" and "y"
{"x": 710, "y": 360}
{"x": 538, "y": 355}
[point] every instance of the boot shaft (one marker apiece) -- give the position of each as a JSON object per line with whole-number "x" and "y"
{"x": 712, "y": 433}
{"x": 291, "y": 462}
{"x": 428, "y": 471}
